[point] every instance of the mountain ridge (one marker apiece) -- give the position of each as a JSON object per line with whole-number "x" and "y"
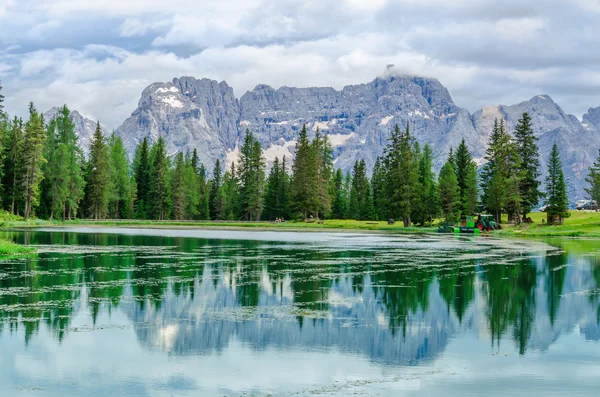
{"x": 205, "y": 114}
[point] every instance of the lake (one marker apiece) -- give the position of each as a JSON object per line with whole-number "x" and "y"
{"x": 149, "y": 312}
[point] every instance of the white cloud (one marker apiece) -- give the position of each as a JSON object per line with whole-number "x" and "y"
{"x": 485, "y": 53}
{"x": 4, "y": 5}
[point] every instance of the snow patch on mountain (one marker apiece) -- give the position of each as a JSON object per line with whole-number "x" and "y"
{"x": 384, "y": 121}
{"x": 280, "y": 150}
{"x": 339, "y": 139}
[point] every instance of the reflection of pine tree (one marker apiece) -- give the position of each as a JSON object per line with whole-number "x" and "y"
{"x": 457, "y": 287}
{"x": 555, "y": 279}
{"x": 510, "y": 294}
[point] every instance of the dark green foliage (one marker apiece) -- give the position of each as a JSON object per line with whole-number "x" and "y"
{"x": 33, "y": 160}
{"x": 500, "y": 156}
{"x": 361, "y": 199}
{"x": 530, "y": 164}
{"x": 556, "y": 199}
{"x": 276, "y": 191}
{"x": 593, "y": 180}
{"x": 159, "y": 198}
{"x": 340, "y": 201}
{"x": 402, "y": 177}
{"x": 252, "y": 178}
{"x": 177, "y": 188}
{"x": 141, "y": 172}
{"x": 204, "y": 196}
{"x": 427, "y": 207}
{"x": 304, "y": 190}
{"x": 98, "y": 177}
{"x": 216, "y": 200}
{"x": 63, "y": 185}
{"x": 231, "y": 193}
{"x": 13, "y": 167}
{"x": 466, "y": 176}
{"x": 121, "y": 196}
{"x": 449, "y": 192}
{"x": 323, "y": 172}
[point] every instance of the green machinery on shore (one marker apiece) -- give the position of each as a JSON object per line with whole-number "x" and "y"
{"x": 470, "y": 225}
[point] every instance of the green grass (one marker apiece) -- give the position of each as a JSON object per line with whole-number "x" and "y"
{"x": 579, "y": 224}
{"x": 333, "y": 224}
{"x": 8, "y": 249}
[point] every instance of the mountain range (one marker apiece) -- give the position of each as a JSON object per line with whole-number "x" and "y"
{"x": 204, "y": 114}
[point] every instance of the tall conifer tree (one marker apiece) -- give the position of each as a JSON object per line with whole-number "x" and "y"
{"x": 33, "y": 160}
{"x": 593, "y": 181}
{"x": 466, "y": 176}
{"x": 159, "y": 182}
{"x": 13, "y": 167}
{"x": 557, "y": 201}
{"x": 303, "y": 189}
{"x": 98, "y": 185}
{"x": 141, "y": 173}
{"x": 120, "y": 197}
{"x": 530, "y": 163}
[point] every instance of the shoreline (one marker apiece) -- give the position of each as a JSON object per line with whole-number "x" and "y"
{"x": 580, "y": 224}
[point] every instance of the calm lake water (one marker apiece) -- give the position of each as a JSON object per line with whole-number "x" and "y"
{"x": 105, "y": 312}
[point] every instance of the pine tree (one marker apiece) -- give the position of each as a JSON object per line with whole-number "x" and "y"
{"x": 593, "y": 180}
{"x": 177, "y": 188}
{"x": 361, "y": 205}
{"x": 428, "y": 204}
{"x": 204, "y": 196}
{"x": 304, "y": 190}
{"x": 449, "y": 192}
{"x": 466, "y": 175}
{"x": 284, "y": 189}
{"x": 120, "y": 198}
{"x": 379, "y": 189}
{"x": 216, "y": 191}
{"x": 13, "y": 166}
{"x": 252, "y": 178}
{"x": 530, "y": 163}
{"x": 497, "y": 170}
{"x": 339, "y": 206}
{"x": 191, "y": 186}
{"x": 33, "y": 160}
{"x": 231, "y": 195}
{"x": 402, "y": 175}
{"x": 273, "y": 205}
{"x": 64, "y": 180}
{"x": 141, "y": 173}
{"x": 159, "y": 184}
{"x": 98, "y": 176}
{"x": 557, "y": 201}
{"x": 323, "y": 171}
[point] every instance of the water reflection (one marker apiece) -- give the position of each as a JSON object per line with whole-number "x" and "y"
{"x": 397, "y": 302}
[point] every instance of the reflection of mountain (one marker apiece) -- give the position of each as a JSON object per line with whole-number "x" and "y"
{"x": 395, "y": 301}
{"x": 352, "y": 321}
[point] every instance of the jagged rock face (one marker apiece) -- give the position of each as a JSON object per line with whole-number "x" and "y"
{"x": 357, "y": 117}
{"x": 190, "y": 114}
{"x": 84, "y": 127}
{"x": 578, "y": 143}
{"x": 205, "y": 115}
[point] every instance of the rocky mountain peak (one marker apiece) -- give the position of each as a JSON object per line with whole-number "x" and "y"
{"x": 204, "y": 114}
{"x": 592, "y": 119}
{"x": 84, "y": 127}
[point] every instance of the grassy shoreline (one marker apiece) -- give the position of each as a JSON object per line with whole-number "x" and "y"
{"x": 8, "y": 249}
{"x": 580, "y": 224}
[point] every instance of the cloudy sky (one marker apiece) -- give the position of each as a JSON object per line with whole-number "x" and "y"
{"x": 97, "y": 56}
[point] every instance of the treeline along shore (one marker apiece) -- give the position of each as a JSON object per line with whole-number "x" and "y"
{"x": 45, "y": 175}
